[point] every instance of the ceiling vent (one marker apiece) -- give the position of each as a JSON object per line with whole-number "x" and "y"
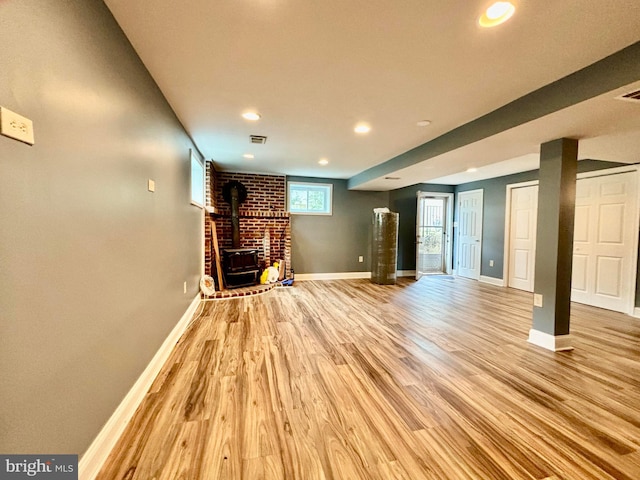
{"x": 630, "y": 97}
{"x": 259, "y": 139}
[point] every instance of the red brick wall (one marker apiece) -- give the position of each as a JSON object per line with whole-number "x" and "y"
{"x": 208, "y": 247}
{"x": 209, "y": 186}
{"x": 264, "y": 192}
{"x": 264, "y": 221}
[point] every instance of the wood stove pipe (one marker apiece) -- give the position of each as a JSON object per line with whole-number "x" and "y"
{"x": 235, "y": 217}
{"x": 234, "y": 193}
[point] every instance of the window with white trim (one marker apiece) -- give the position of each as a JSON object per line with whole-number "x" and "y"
{"x": 310, "y": 198}
{"x": 197, "y": 181}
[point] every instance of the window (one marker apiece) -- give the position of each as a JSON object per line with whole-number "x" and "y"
{"x": 310, "y": 198}
{"x": 197, "y": 181}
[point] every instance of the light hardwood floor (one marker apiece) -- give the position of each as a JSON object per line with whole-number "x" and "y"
{"x": 350, "y": 380}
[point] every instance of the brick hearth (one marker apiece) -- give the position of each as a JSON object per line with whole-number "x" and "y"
{"x": 264, "y": 220}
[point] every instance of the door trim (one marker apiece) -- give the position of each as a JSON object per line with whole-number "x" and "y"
{"x": 631, "y": 304}
{"x": 448, "y": 231}
{"x": 507, "y": 226}
{"x": 469, "y": 192}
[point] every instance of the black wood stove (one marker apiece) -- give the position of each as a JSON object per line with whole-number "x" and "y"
{"x": 240, "y": 266}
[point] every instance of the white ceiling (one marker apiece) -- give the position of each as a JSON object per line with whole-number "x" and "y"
{"x": 315, "y": 69}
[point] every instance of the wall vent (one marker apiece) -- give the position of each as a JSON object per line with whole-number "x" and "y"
{"x": 630, "y": 97}
{"x": 259, "y": 139}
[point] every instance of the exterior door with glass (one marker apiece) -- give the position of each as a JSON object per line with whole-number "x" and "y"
{"x": 431, "y": 234}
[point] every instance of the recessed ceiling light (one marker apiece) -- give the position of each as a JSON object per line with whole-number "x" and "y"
{"x": 471, "y": 170}
{"x": 424, "y": 123}
{"x": 323, "y": 161}
{"x": 362, "y": 128}
{"x": 248, "y": 155}
{"x": 253, "y": 116}
{"x": 496, "y": 14}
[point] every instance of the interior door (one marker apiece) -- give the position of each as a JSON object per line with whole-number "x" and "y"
{"x": 522, "y": 237}
{"x": 469, "y": 233}
{"x": 431, "y": 248}
{"x": 604, "y": 239}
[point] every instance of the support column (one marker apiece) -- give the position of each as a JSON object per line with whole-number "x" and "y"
{"x": 554, "y": 245}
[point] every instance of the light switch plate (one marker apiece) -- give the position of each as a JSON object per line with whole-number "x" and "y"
{"x": 16, "y": 126}
{"x": 152, "y": 186}
{"x": 537, "y": 300}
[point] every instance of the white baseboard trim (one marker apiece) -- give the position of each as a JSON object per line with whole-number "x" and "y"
{"x": 636, "y": 312}
{"x": 97, "y": 453}
{"x": 555, "y": 343}
{"x": 347, "y": 275}
{"x": 406, "y": 273}
{"x": 332, "y": 276}
{"x": 499, "y": 282}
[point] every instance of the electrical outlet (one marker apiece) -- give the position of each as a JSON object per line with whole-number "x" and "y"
{"x": 151, "y": 186}
{"x": 184, "y": 288}
{"x": 491, "y": 263}
{"x": 16, "y": 126}
{"x": 537, "y": 300}
{"x": 361, "y": 259}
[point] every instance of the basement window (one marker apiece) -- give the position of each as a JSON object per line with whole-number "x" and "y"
{"x": 197, "y": 181}
{"x": 310, "y": 198}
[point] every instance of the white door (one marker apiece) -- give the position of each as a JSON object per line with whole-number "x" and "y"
{"x": 522, "y": 237}
{"x": 469, "y": 233}
{"x": 604, "y": 239}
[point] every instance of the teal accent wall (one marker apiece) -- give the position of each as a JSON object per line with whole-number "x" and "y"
{"x": 92, "y": 265}
{"x": 333, "y": 243}
{"x": 493, "y": 218}
{"x": 554, "y": 235}
{"x": 495, "y": 202}
{"x": 405, "y": 202}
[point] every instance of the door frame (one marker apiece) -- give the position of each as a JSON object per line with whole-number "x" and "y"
{"x": 631, "y": 305}
{"x": 507, "y": 226}
{"x": 468, "y": 192}
{"x": 449, "y": 197}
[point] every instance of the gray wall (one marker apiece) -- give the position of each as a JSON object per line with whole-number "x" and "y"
{"x": 328, "y": 244}
{"x": 495, "y": 201}
{"x": 405, "y": 202}
{"x": 493, "y": 218}
{"x": 91, "y": 264}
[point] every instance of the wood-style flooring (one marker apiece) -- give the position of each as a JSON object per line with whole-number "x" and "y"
{"x": 421, "y": 380}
